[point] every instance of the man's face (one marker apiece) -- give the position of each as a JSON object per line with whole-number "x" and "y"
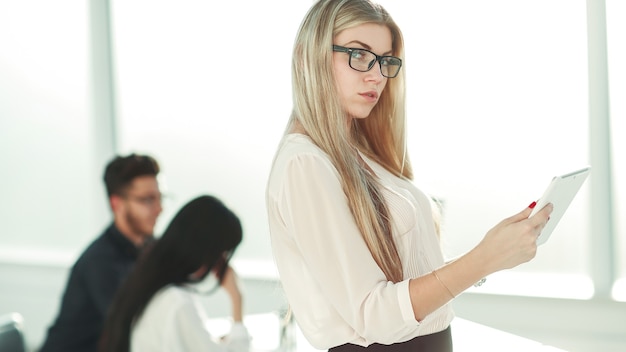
{"x": 141, "y": 206}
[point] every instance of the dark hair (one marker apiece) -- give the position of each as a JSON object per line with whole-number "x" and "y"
{"x": 204, "y": 232}
{"x": 122, "y": 170}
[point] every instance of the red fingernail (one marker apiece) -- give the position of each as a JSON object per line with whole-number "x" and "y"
{"x": 532, "y": 205}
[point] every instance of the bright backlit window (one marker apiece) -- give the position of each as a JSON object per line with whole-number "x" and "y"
{"x": 497, "y": 95}
{"x": 189, "y": 94}
{"x": 49, "y": 182}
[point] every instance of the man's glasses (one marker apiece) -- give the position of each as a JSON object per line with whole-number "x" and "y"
{"x": 363, "y": 60}
{"x": 148, "y": 201}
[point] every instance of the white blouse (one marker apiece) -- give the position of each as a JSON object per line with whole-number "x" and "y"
{"x": 336, "y": 290}
{"x": 174, "y": 321}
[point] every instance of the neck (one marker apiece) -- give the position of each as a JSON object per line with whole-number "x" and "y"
{"x": 296, "y": 127}
{"x": 136, "y": 238}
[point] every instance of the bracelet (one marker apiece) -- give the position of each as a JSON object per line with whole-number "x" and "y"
{"x": 442, "y": 284}
{"x": 480, "y": 282}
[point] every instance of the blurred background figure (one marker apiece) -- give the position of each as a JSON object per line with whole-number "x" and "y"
{"x": 158, "y": 308}
{"x": 135, "y": 201}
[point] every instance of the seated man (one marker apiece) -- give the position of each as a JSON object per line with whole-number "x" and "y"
{"x": 135, "y": 201}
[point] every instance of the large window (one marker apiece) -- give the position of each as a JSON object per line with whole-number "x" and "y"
{"x": 498, "y": 105}
{"x": 205, "y": 87}
{"x": 52, "y": 197}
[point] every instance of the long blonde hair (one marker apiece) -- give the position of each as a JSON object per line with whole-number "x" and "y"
{"x": 381, "y": 136}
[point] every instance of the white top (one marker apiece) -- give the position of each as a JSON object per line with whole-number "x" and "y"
{"x": 337, "y": 291}
{"x": 174, "y": 321}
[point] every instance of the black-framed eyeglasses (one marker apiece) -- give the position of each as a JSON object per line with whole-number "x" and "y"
{"x": 363, "y": 60}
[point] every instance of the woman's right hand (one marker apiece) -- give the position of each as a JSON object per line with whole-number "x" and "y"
{"x": 514, "y": 240}
{"x": 230, "y": 283}
{"x": 508, "y": 244}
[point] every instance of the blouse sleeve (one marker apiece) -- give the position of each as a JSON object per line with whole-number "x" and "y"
{"x": 320, "y": 231}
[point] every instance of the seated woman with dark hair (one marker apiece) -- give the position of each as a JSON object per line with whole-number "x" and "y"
{"x": 156, "y": 309}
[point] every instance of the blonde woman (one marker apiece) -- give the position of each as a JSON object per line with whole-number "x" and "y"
{"x": 355, "y": 242}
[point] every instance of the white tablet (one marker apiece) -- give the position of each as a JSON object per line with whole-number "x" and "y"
{"x": 560, "y": 193}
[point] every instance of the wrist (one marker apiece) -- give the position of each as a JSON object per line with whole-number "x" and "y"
{"x": 471, "y": 270}
{"x": 480, "y": 261}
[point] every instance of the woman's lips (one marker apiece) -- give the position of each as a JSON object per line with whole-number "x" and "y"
{"x": 371, "y": 96}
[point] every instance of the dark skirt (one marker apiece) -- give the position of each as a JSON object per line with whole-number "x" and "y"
{"x": 437, "y": 342}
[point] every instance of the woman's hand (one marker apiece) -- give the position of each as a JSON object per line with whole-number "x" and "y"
{"x": 508, "y": 244}
{"x": 230, "y": 283}
{"x": 514, "y": 240}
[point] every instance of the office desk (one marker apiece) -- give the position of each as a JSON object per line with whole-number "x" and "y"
{"x": 467, "y": 336}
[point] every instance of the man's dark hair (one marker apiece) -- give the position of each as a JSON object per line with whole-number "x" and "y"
{"x": 122, "y": 170}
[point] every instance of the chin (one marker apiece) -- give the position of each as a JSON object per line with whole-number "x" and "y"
{"x": 360, "y": 114}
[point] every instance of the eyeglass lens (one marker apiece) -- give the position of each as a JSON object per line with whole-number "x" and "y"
{"x": 149, "y": 201}
{"x": 363, "y": 60}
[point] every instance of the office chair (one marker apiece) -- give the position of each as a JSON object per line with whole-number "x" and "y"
{"x": 11, "y": 334}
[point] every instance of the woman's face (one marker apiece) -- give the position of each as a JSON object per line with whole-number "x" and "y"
{"x": 359, "y": 91}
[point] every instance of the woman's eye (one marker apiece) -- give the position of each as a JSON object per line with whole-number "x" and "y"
{"x": 388, "y": 61}
{"x": 359, "y": 54}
